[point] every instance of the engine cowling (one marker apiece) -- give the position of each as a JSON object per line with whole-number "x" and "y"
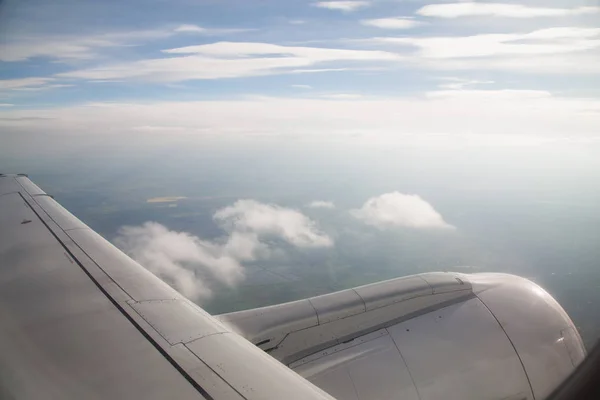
{"x": 428, "y": 336}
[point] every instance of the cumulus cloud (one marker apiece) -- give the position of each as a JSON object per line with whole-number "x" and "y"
{"x": 391, "y": 23}
{"x": 272, "y": 220}
{"x": 321, "y": 204}
{"x": 176, "y": 257}
{"x": 188, "y": 263}
{"x": 345, "y": 6}
{"x": 398, "y": 209}
{"x": 466, "y": 9}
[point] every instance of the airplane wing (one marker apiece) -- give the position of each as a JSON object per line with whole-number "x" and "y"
{"x": 80, "y": 319}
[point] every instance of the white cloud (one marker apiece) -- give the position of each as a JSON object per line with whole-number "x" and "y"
{"x": 392, "y": 23}
{"x": 318, "y": 70}
{"x": 188, "y": 263}
{"x": 30, "y": 84}
{"x": 321, "y": 204}
{"x": 272, "y": 220}
{"x": 227, "y": 60}
{"x": 238, "y": 50}
{"x": 302, "y": 86}
{"x": 560, "y": 50}
{"x": 345, "y": 6}
{"x": 176, "y": 257}
{"x": 7, "y": 84}
{"x": 461, "y": 83}
{"x": 541, "y": 42}
{"x": 296, "y": 21}
{"x": 6, "y": 105}
{"x": 397, "y": 209}
{"x": 190, "y": 28}
{"x": 455, "y": 10}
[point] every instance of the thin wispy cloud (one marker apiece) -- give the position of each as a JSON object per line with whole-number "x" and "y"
{"x": 539, "y": 42}
{"x": 345, "y": 6}
{"x": 468, "y": 9}
{"x": 321, "y": 204}
{"x": 90, "y": 46}
{"x": 228, "y": 60}
{"x": 190, "y": 28}
{"x": 24, "y": 83}
{"x": 566, "y": 50}
{"x": 461, "y": 83}
{"x": 392, "y": 23}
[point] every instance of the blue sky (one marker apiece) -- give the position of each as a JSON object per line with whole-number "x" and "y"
{"x": 382, "y": 66}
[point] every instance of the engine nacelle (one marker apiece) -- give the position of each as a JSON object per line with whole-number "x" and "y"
{"x": 428, "y": 336}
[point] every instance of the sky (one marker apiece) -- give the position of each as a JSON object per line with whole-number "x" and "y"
{"x": 400, "y": 70}
{"x": 352, "y": 137}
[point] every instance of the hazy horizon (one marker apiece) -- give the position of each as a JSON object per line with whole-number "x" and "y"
{"x": 300, "y": 147}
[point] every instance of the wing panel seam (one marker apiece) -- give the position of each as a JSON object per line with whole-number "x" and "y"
{"x": 405, "y": 364}
{"x": 215, "y": 372}
{"x": 512, "y": 344}
{"x": 162, "y": 351}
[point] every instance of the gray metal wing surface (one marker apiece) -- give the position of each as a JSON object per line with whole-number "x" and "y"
{"x": 79, "y": 319}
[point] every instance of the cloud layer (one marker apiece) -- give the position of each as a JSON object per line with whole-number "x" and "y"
{"x": 511, "y": 113}
{"x": 396, "y": 209}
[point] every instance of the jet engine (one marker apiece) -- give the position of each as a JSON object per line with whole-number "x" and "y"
{"x": 428, "y": 336}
